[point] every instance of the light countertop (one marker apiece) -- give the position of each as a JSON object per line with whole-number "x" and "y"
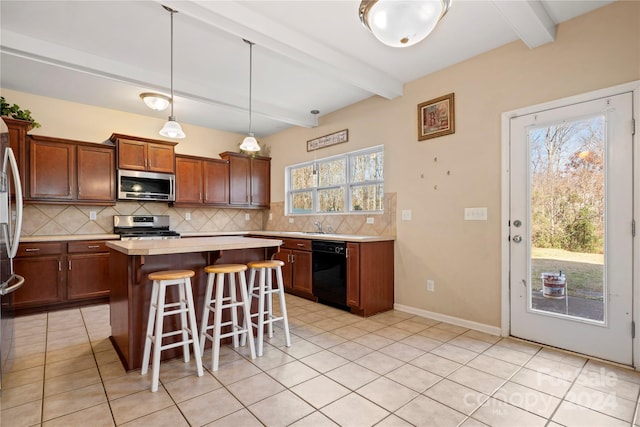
{"x": 281, "y": 234}
{"x": 195, "y": 244}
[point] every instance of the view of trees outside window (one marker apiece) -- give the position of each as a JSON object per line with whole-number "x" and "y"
{"x": 568, "y": 204}
{"x": 353, "y": 181}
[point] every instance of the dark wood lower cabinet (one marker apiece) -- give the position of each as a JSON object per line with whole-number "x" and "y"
{"x": 370, "y": 277}
{"x": 61, "y": 275}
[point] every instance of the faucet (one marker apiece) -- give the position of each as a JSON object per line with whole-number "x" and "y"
{"x": 318, "y": 225}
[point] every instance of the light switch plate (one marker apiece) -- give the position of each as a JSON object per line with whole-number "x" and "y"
{"x": 187, "y": 216}
{"x": 93, "y": 215}
{"x": 406, "y": 214}
{"x": 291, "y": 220}
{"x": 370, "y": 220}
{"x": 247, "y": 217}
{"x": 475, "y": 214}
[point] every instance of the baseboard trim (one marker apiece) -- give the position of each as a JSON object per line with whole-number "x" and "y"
{"x": 488, "y": 329}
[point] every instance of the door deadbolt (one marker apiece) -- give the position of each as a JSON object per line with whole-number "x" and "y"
{"x": 517, "y": 223}
{"x": 517, "y": 239}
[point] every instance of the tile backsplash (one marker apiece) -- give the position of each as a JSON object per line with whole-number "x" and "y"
{"x": 56, "y": 220}
{"x": 59, "y": 220}
{"x": 384, "y": 224}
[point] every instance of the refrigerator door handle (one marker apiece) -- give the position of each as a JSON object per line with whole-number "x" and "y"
{"x": 14, "y": 287}
{"x": 12, "y": 243}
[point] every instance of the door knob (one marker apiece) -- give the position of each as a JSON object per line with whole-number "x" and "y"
{"x": 517, "y": 239}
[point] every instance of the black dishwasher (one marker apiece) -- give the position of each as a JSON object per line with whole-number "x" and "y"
{"x": 330, "y": 272}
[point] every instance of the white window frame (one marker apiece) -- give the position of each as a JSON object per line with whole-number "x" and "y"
{"x": 347, "y": 186}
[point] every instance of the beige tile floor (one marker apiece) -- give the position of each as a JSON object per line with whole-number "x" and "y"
{"x": 393, "y": 369}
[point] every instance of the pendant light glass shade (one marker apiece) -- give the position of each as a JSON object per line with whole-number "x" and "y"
{"x": 402, "y": 23}
{"x": 155, "y": 101}
{"x": 172, "y": 128}
{"x": 250, "y": 143}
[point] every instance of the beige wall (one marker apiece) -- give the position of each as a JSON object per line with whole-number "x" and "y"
{"x": 64, "y": 119}
{"x": 438, "y": 178}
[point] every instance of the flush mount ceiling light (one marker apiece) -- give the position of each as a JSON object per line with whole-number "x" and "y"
{"x": 250, "y": 143}
{"x": 155, "y": 101}
{"x": 402, "y": 23}
{"x": 172, "y": 129}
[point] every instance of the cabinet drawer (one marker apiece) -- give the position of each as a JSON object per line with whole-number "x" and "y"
{"x": 88, "y": 246}
{"x": 299, "y": 244}
{"x": 36, "y": 249}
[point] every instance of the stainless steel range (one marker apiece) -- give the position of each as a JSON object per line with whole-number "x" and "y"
{"x": 143, "y": 227}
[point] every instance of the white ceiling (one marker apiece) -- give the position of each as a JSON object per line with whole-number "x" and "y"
{"x": 307, "y": 54}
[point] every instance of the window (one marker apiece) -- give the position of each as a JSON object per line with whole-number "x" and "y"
{"x": 349, "y": 183}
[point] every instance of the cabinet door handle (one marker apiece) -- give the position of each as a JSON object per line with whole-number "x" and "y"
{"x": 69, "y": 264}
{"x": 293, "y": 259}
{"x": 32, "y": 250}
{"x": 301, "y": 245}
{"x": 346, "y": 254}
{"x": 93, "y": 246}
{"x": 59, "y": 265}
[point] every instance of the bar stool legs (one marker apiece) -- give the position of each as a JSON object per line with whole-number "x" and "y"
{"x": 263, "y": 292}
{"x": 215, "y": 305}
{"x": 158, "y": 310}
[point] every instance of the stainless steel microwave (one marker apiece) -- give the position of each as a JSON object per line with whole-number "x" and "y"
{"x": 138, "y": 185}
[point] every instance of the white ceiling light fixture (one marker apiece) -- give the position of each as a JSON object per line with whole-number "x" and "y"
{"x": 155, "y": 101}
{"x": 402, "y": 23}
{"x": 250, "y": 143}
{"x": 172, "y": 129}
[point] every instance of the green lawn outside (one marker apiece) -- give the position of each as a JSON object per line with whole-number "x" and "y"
{"x": 584, "y": 271}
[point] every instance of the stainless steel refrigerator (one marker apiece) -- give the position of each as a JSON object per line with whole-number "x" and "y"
{"x": 10, "y": 228}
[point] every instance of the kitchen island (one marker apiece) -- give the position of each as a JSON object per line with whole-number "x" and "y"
{"x": 131, "y": 262}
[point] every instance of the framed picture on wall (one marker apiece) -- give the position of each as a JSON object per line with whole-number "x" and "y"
{"x": 436, "y": 117}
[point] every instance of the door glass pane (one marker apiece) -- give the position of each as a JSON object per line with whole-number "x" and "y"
{"x": 302, "y": 202}
{"x": 367, "y": 197}
{"x": 567, "y": 178}
{"x": 331, "y": 199}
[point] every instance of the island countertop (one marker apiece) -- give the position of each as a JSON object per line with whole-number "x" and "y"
{"x": 193, "y": 244}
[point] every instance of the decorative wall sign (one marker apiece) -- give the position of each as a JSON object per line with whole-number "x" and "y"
{"x": 436, "y": 117}
{"x": 327, "y": 140}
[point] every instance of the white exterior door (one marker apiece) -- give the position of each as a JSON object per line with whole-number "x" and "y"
{"x": 570, "y": 227}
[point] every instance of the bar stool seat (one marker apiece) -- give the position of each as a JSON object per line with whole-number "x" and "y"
{"x": 159, "y": 309}
{"x": 263, "y": 292}
{"x": 216, "y": 301}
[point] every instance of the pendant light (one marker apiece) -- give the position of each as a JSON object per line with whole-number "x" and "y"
{"x": 172, "y": 129}
{"x": 402, "y": 23}
{"x": 250, "y": 143}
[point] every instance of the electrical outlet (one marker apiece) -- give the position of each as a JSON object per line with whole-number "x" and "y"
{"x": 406, "y": 214}
{"x": 291, "y": 220}
{"x": 187, "y": 216}
{"x": 370, "y": 220}
{"x": 247, "y": 217}
{"x": 431, "y": 285}
{"x": 93, "y": 215}
{"x": 270, "y": 216}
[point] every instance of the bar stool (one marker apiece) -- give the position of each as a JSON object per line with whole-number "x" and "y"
{"x": 158, "y": 310}
{"x": 217, "y": 303}
{"x": 263, "y": 291}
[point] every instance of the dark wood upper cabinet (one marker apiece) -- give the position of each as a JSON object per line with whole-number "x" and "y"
{"x": 96, "y": 173}
{"x": 216, "y": 181}
{"x": 67, "y": 171}
{"x": 201, "y": 181}
{"x": 18, "y": 142}
{"x": 249, "y": 180}
{"x": 188, "y": 180}
{"x": 51, "y": 169}
{"x": 144, "y": 154}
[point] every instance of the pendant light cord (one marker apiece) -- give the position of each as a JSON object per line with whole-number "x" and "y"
{"x": 250, "y": 82}
{"x": 171, "y": 11}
